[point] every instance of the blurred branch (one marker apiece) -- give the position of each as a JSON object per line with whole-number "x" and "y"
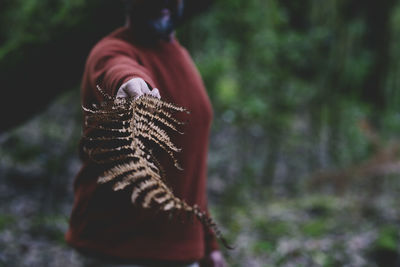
{"x": 384, "y": 161}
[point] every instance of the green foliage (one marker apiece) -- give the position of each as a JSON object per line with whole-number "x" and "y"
{"x": 263, "y": 247}
{"x": 384, "y": 250}
{"x": 32, "y": 21}
{"x": 315, "y": 228}
{"x": 388, "y": 238}
{"x": 50, "y": 227}
{"x": 19, "y": 150}
{"x": 6, "y": 221}
{"x": 277, "y": 66}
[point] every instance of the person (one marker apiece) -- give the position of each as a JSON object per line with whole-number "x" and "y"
{"x": 144, "y": 57}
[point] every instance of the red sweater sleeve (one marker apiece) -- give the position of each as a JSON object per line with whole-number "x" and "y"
{"x": 110, "y": 64}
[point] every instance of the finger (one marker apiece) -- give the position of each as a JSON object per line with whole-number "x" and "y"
{"x": 121, "y": 93}
{"x": 133, "y": 89}
{"x": 144, "y": 87}
{"x": 156, "y": 93}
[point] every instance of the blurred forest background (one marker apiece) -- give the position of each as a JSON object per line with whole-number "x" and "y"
{"x": 304, "y": 166}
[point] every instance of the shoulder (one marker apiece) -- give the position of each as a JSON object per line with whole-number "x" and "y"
{"x": 184, "y": 54}
{"x": 176, "y": 49}
{"x": 116, "y": 42}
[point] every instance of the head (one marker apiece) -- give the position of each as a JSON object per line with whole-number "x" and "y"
{"x": 154, "y": 19}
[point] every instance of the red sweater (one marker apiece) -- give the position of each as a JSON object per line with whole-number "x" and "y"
{"x": 105, "y": 222}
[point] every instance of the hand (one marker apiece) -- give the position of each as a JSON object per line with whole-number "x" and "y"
{"x": 135, "y": 88}
{"x": 214, "y": 259}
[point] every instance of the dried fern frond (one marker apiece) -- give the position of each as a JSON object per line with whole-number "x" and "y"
{"x": 125, "y": 130}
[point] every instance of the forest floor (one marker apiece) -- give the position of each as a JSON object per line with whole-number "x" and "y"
{"x": 314, "y": 230}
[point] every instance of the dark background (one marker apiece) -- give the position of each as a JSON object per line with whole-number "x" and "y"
{"x": 304, "y": 157}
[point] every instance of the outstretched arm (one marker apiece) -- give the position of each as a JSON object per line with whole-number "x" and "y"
{"x": 114, "y": 67}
